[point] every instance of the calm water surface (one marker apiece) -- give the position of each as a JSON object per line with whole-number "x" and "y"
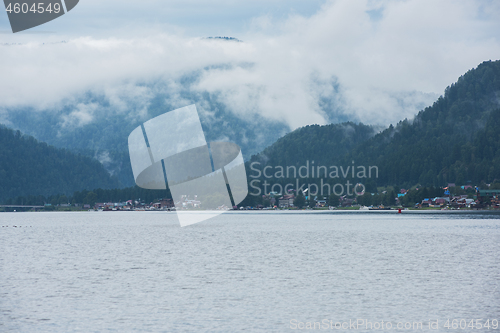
{"x": 248, "y": 271}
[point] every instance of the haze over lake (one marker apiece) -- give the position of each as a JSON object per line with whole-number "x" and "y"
{"x": 245, "y": 271}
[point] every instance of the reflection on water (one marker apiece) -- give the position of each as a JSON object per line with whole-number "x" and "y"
{"x": 253, "y": 271}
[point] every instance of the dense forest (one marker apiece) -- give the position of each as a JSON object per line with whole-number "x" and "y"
{"x": 453, "y": 141}
{"x": 29, "y": 167}
{"x": 323, "y": 144}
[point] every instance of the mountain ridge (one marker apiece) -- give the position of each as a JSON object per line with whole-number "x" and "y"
{"x": 30, "y": 167}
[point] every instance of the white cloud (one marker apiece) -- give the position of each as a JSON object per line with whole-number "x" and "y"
{"x": 377, "y": 68}
{"x": 82, "y": 115}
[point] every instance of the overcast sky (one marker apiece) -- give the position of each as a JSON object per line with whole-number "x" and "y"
{"x": 378, "y": 61}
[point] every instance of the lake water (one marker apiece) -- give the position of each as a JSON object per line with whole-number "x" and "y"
{"x": 247, "y": 271}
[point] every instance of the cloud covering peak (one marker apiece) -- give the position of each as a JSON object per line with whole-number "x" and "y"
{"x": 370, "y": 61}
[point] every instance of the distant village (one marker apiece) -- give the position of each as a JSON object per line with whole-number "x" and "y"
{"x": 158, "y": 205}
{"x": 474, "y": 198}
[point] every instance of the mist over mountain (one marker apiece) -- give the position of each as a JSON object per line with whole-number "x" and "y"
{"x": 449, "y": 141}
{"x": 98, "y": 124}
{"x": 453, "y": 141}
{"x": 361, "y": 61}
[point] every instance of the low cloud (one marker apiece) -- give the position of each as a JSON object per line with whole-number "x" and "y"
{"x": 370, "y": 61}
{"x": 82, "y": 115}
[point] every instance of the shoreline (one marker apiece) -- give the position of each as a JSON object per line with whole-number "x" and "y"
{"x": 288, "y": 211}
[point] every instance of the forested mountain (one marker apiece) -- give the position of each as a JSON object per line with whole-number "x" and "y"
{"x": 323, "y": 144}
{"x": 105, "y": 137}
{"x": 29, "y": 167}
{"x": 98, "y": 124}
{"x": 454, "y": 140}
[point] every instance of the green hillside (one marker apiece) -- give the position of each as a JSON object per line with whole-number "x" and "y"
{"x": 29, "y": 167}
{"x": 322, "y": 144}
{"x": 453, "y": 141}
